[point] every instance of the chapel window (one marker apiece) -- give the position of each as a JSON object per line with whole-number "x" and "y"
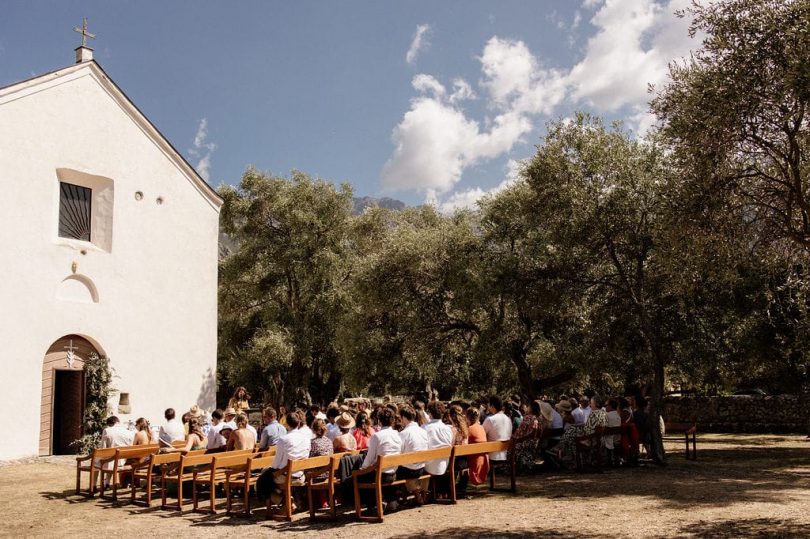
{"x": 75, "y": 204}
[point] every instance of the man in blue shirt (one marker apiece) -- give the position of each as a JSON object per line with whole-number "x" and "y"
{"x": 273, "y": 432}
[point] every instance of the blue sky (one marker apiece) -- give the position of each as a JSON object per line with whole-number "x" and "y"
{"x": 419, "y": 101}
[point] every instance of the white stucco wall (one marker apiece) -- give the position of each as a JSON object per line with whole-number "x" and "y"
{"x": 156, "y": 314}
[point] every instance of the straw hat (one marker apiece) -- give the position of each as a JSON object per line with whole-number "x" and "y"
{"x": 229, "y": 411}
{"x": 564, "y": 406}
{"x": 344, "y": 421}
{"x": 195, "y": 411}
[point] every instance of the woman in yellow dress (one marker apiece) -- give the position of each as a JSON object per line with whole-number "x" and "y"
{"x": 239, "y": 401}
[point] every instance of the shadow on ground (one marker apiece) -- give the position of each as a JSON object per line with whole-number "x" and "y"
{"x": 758, "y": 527}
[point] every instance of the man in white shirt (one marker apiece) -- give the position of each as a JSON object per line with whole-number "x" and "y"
{"x": 229, "y": 416}
{"x": 215, "y": 438}
{"x": 116, "y": 435}
{"x": 172, "y": 431}
{"x": 294, "y": 446}
{"x": 439, "y": 434}
{"x": 613, "y": 420}
{"x": 413, "y": 439}
{"x": 497, "y": 426}
{"x": 384, "y": 442}
{"x": 581, "y": 414}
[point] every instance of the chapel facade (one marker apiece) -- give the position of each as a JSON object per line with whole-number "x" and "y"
{"x": 109, "y": 246}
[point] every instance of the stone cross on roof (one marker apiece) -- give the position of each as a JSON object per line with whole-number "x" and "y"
{"x": 83, "y": 31}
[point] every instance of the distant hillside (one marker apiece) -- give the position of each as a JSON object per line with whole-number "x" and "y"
{"x": 361, "y": 203}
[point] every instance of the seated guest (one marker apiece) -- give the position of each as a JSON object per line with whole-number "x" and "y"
{"x": 582, "y": 412}
{"x": 294, "y": 446}
{"x": 344, "y": 441}
{"x": 116, "y": 435}
{"x": 332, "y": 430}
{"x": 302, "y": 425}
{"x": 143, "y": 432}
{"x": 439, "y": 435}
{"x": 630, "y": 437}
{"x": 477, "y": 465}
{"x": 596, "y": 418}
{"x": 363, "y": 432}
{"x": 215, "y": 438}
{"x": 240, "y": 400}
{"x": 172, "y": 431}
{"x": 498, "y": 427}
{"x": 241, "y": 438}
{"x": 229, "y": 416}
{"x": 320, "y": 445}
{"x": 273, "y": 431}
{"x": 613, "y": 420}
{"x": 421, "y": 415}
{"x": 195, "y": 439}
{"x": 564, "y": 408}
{"x": 454, "y": 416}
{"x": 556, "y": 418}
{"x": 384, "y": 442}
{"x": 526, "y": 438}
{"x": 413, "y": 439}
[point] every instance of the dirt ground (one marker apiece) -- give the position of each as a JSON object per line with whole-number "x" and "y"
{"x": 740, "y": 486}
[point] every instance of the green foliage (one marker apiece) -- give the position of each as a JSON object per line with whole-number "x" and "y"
{"x": 282, "y": 292}
{"x": 98, "y": 377}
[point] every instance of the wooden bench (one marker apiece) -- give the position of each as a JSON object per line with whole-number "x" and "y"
{"x": 590, "y": 446}
{"x": 386, "y": 462}
{"x": 245, "y": 478}
{"x": 216, "y": 473}
{"x": 150, "y": 472}
{"x": 689, "y": 432}
{"x": 184, "y": 471}
{"x": 123, "y": 463}
{"x": 325, "y": 485}
{"x": 92, "y": 464}
{"x": 294, "y": 466}
{"x": 479, "y": 449}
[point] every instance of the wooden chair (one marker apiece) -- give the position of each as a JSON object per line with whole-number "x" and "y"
{"x": 216, "y": 473}
{"x": 328, "y": 485}
{"x": 386, "y": 462}
{"x": 294, "y": 466}
{"x": 689, "y": 432}
{"x": 188, "y": 465}
{"x": 245, "y": 478}
{"x": 589, "y": 446}
{"x": 150, "y": 472}
{"x": 91, "y": 464}
{"x": 478, "y": 449}
{"x": 123, "y": 463}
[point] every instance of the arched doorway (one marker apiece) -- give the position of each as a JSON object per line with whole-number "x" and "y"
{"x": 63, "y": 394}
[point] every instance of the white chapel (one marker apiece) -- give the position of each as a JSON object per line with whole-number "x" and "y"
{"x": 108, "y": 244}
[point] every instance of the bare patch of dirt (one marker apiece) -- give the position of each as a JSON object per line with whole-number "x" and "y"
{"x": 740, "y": 486}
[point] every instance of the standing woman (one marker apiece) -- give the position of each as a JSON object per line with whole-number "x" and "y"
{"x": 240, "y": 400}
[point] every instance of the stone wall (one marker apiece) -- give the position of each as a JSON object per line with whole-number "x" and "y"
{"x": 777, "y": 413}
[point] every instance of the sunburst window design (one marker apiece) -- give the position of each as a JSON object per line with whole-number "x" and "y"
{"x": 74, "y": 211}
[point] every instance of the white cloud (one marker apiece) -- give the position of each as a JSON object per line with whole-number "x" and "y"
{"x": 202, "y": 150}
{"x": 418, "y": 43}
{"x": 436, "y": 140}
{"x": 469, "y": 198}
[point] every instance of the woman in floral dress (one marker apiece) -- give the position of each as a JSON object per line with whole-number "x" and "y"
{"x": 597, "y": 418}
{"x": 527, "y": 437}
